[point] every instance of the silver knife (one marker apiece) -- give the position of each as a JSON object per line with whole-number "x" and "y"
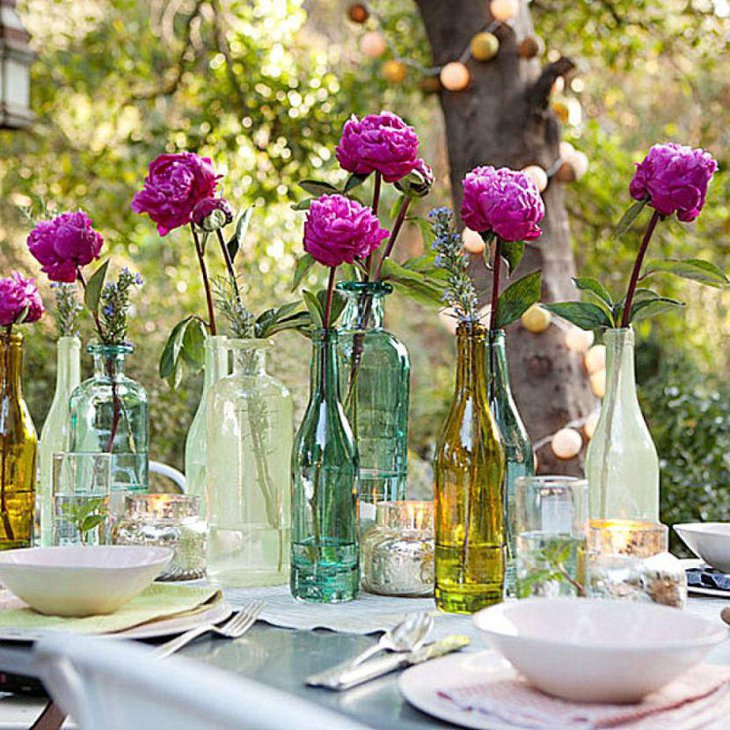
{"x": 344, "y": 676}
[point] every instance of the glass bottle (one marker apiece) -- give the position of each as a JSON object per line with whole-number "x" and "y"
{"x": 519, "y": 458}
{"x": 469, "y": 473}
{"x": 18, "y": 449}
{"x": 196, "y": 442}
{"x": 325, "y": 561}
{"x": 109, "y": 414}
{"x": 55, "y": 432}
{"x": 250, "y": 425}
{"x": 622, "y": 464}
{"x": 374, "y": 384}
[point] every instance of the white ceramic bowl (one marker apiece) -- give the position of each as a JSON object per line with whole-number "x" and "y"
{"x": 79, "y": 580}
{"x": 593, "y": 650}
{"x": 709, "y": 541}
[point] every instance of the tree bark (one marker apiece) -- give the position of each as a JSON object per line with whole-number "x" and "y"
{"x": 503, "y": 119}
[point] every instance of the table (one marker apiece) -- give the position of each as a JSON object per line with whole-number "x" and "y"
{"x": 283, "y": 657}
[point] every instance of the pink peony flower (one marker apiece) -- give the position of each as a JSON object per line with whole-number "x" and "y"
{"x": 502, "y": 201}
{"x": 674, "y": 178}
{"x": 64, "y": 244}
{"x": 19, "y": 296}
{"x": 174, "y": 186}
{"x": 339, "y": 230}
{"x": 380, "y": 142}
{"x": 211, "y": 214}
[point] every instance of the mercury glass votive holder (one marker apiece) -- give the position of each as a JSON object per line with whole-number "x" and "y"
{"x": 629, "y": 560}
{"x": 398, "y": 550}
{"x": 167, "y": 520}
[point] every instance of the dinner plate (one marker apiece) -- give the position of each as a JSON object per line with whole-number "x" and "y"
{"x": 421, "y": 684}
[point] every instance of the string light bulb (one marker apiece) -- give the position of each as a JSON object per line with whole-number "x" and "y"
{"x": 566, "y": 443}
{"x": 589, "y": 427}
{"x": 358, "y": 13}
{"x": 484, "y": 46}
{"x": 598, "y": 383}
{"x": 595, "y": 359}
{"x": 395, "y": 71}
{"x": 538, "y": 175}
{"x": 473, "y": 242}
{"x": 504, "y": 10}
{"x": 531, "y": 46}
{"x": 578, "y": 340}
{"x": 536, "y": 319}
{"x": 373, "y": 44}
{"x": 455, "y": 76}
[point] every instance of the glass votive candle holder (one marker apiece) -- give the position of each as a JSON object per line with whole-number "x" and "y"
{"x": 398, "y": 550}
{"x": 167, "y": 520}
{"x": 549, "y": 523}
{"x": 629, "y": 559}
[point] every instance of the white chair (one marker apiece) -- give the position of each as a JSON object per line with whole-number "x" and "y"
{"x": 165, "y": 470}
{"x": 109, "y": 684}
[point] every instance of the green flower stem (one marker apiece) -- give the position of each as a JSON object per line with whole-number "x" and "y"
{"x": 394, "y": 234}
{"x": 495, "y": 287}
{"x": 626, "y": 317}
{"x": 229, "y": 265}
{"x": 206, "y": 282}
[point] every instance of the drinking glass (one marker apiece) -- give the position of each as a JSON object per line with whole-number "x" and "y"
{"x": 81, "y": 484}
{"x": 550, "y": 524}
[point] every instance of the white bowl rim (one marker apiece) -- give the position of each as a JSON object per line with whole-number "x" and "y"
{"x": 157, "y": 555}
{"x": 718, "y": 634}
{"x": 700, "y": 527}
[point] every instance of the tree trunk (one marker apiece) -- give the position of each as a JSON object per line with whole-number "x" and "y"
{"x": 503, "y": 119}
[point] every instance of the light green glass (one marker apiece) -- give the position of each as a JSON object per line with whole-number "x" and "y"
{"x": 374, "y": 384}
{"x": 55, "y": 435}
{"x": 18, "y": 449}
{"x": 196, "y": 442}
{"x": 622, "y": 464}
{"x": 325, "y": 559}
{"x": 250, "y": 429}
{"x": 519, "y": 458}
{"x": 469, "y": 473}
{"x": 109, "y": 414}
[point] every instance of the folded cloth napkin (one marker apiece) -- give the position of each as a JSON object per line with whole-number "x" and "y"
{"x": 699, "y": 698}
{"x": 158, "y": 601}
{"x": 706, "y": 577}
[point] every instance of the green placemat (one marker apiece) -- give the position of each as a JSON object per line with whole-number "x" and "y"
{"x": 160, "y": 600}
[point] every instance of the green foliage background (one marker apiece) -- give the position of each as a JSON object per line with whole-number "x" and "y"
{"x": 264, "y": 86}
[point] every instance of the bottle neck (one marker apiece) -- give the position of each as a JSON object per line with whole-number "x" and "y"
{"x": 497, "y": 361}
{"x": 249, "y": 357}
{"x": 109, "y": 360}
{"x": 216, "y": 359}
{"x": 364, "y": 304}
{"x": 68, "y": 365}
{"x": 11, "y": 365}
{"x": 471, "y": 361}
{"x": 324, "y": 374}
{"x": 620, "y": 376}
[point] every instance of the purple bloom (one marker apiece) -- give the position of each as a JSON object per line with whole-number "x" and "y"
{"x": 174, "y": 186}
{"x": 339, "y": 230}
{"x": 381, "y": 143}
{"x": 674, "y": 178}
{"x": 64, "y": 244}
{"x": 502, "y": 201}
{"x": 211, "y": 214}
{"x": 18, "y": 296}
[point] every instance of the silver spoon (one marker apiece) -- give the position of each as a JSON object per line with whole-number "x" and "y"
{"x": 408, "y": 635}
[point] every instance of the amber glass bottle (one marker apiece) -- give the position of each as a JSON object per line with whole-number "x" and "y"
{"x": 469, "y": 473}
{"x": 18, "y": 449}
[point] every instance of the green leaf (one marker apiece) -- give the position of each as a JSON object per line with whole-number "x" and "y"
{"x": 511, "y": 253}
{"x": 424, "y": 226}
{"x": 585, "y": 315}
{"x": 303, "y": 267}
{"x": 413, "y": 283}
{"x": 90, "y": 522}
{"x": 281, "y": 318}
{"x": 629, "y": 218}
{"x": 299, "y": 321}
{"x": 315, "y": 310}
{"x": 652, "y": 307}
{"x": 593, "y": 286}
{"x": 697, "y": 270}
{"x": 302, "y": 204}
{"x": 236, "y": 242}
{"x": 317, "y": 188}
{"x": 193, "y": 344}
{"x": 354, "y": 180}
{"x": 518, "y": 297}
{"x": 171, "y": 350}
{"x": 94, "y": 287}
{"x": 338, "y": 304}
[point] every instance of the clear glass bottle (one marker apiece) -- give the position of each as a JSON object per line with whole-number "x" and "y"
{"x": 109, "y": 414}
{"x": 18, "y": 449}
{"x": 469, "y": 473}
{"x": 375, "y": 385}
{"x": 520, "y": 460}
{"x": 325, "y": 561}
{"x": 196, "y": 442}
{"x": 250, "y": 425}
{"x": 55, "y": 432}
{"x": 622, "y": 464}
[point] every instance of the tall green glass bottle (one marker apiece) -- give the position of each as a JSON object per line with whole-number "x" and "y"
{"x": 375, "y": 384}
{"x": 469, "y": 473}
{"x": 520, "y": 460}
{"x": 18, "y": 449}
{"x": 325, "y": 562}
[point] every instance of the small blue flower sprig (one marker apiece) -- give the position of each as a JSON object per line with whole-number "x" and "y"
{"x": 68, "y": 307}
{"x": 114, "y": 307}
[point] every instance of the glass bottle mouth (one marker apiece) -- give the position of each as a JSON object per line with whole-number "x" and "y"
{"x": 252, "y": 344}
{"x": 374, "y": 288}
{"x": 471, "y": 329}
{"x": 110, "y": 350}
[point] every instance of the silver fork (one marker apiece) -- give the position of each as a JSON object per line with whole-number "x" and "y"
{"x": 234, "y": 628}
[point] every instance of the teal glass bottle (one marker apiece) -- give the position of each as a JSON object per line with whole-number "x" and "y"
{"x": 325, "y": 560}
{"x": 519, "y": 457}
{"x": 109, "y": 414}
{"x": 375, "y": 385}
